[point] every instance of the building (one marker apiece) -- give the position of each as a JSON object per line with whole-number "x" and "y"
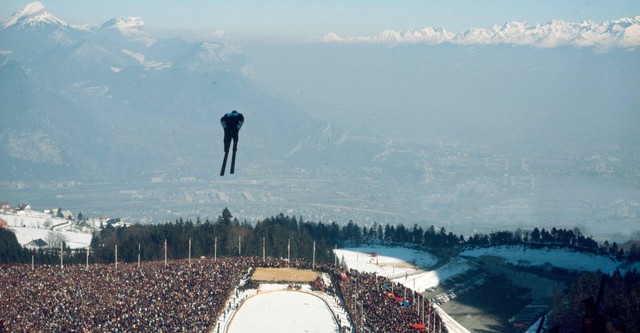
{"x": 24, "y": 207}
{"x": 36, "y": 244}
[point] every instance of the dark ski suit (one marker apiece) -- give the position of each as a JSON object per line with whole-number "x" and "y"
{"x": 231, "y": 122}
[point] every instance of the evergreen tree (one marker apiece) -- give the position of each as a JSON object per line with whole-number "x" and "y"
{"x": 633, "y": 252}
{"x": 535, "y": 235}
{"x": 10, "y": 249}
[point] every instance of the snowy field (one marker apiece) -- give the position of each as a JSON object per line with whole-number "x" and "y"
{"x": 406, "y": 266}
{"x": 283, "y": 311}
{"x": 31, "y": 219}
{"x": 385, "y": 261}
{"x": 561, "y": 258}
{"x": 74, "y": 240}
{"x": 33, "y": 225}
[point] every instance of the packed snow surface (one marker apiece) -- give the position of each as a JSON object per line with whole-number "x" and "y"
{"x": 403, "y": 265}
{"x": 283, "y": 311}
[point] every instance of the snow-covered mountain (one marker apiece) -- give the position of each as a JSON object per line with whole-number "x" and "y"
{"x": 87, "y": 99}
{"x": 33, "y": 29}
{"x": 131, "y": 27}
{"x": 32, "y": 15}
{"x": 622, "y": 33}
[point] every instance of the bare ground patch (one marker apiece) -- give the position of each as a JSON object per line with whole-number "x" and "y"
{"x": 283, "y": 274}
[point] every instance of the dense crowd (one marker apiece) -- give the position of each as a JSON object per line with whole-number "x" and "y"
{"x": 100, "y": 298}
{"x": 375, "y": 304}
{"x": 178, "y": 297}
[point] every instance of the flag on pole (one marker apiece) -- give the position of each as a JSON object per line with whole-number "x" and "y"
{"x": 414, "y": 296}
{"x": 289, "y": 251}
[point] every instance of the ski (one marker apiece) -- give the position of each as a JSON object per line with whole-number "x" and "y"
{"x": 224, "y": 163}
{"x": 233, "y": 162}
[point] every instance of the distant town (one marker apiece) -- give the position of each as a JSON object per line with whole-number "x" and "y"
{"x": 48, "y": 228}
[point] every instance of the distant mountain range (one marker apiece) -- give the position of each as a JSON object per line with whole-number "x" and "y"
{"x": 622, "y": 33}
{"x": 111, "y": 120}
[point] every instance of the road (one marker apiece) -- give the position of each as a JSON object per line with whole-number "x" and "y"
{"x": 505, "y": 291}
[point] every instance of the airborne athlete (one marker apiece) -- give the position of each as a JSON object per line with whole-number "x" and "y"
{"x": 231, "y": 123}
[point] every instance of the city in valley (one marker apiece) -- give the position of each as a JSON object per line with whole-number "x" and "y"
{"x": 453, "y": 186}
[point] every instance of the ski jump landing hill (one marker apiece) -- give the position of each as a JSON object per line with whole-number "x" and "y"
{"x": 278, "y": 306}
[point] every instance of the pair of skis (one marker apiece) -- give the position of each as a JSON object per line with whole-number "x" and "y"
{"x": 224, "y": 163}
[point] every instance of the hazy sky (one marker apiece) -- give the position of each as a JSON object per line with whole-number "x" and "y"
{"x": 305, "y": 20}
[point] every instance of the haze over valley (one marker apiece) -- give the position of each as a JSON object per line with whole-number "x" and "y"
{"x": 471, "y": 137}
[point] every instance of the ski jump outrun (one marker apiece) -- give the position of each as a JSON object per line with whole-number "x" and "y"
{"x": 231, "y": 123}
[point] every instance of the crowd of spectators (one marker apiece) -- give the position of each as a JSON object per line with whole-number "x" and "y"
{"x": 375, "y": 304}
{"x": 100, "y": 298}
{"x": 179, "y": 297}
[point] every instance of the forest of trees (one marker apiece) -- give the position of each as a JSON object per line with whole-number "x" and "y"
{"x": 227, "y": 236}
{"x": 605, "y": 303}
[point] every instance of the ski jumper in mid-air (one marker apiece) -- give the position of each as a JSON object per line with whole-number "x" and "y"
{"x": 231, "y": 123}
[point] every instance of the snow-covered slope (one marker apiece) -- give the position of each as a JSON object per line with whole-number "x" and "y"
{"x": 32, "y": 30}
{"x": 72, "y": 239}
{"x": 31, "y": 225}
{"x": 402, "y": 265}
{"x": 32, "y": 14}
{"x": 561, "y": 258}
{"x": 131, "y": 28}
{"x": 412, "y": 268}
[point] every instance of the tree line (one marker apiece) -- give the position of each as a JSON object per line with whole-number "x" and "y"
{"x": 599, "y": 302}
{"x": 281, "y": 236}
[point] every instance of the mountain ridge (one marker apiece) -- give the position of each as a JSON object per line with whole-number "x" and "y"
{"x": 31, "y": 15}
{"x": 621, "y": 33}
